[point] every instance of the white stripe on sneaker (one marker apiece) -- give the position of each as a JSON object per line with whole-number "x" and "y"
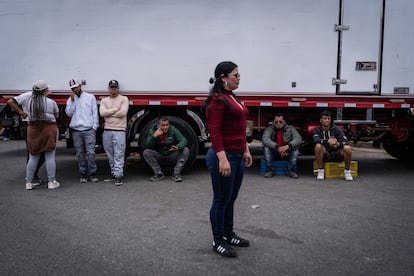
{"x": 235, "y": 241}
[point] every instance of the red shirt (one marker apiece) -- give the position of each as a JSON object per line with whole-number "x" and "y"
{"x": 227, "y": 125}
{"x": 279, "y": 137}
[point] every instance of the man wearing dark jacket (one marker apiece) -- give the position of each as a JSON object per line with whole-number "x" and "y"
{"x": 281, "y": 141}
{"x": 331, "y": 145}
{"x": 166, "y": 145}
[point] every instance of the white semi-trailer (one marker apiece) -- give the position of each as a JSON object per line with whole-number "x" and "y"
{"x": 297, "y": 57}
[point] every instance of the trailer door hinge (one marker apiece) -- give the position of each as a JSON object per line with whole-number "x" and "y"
{"x": 341, "y": 28}
{"x": 338, "y": 81}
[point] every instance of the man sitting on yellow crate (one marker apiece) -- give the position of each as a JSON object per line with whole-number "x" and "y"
{"x": 331, "y": 145}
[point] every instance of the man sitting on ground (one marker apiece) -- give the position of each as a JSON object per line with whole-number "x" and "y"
{"x": 167, "y": 146}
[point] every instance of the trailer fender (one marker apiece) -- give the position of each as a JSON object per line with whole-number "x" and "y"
{"x": 200, "y": 124}
{"x": 134, "y": 122}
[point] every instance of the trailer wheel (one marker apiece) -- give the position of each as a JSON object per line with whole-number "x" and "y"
{"x": 183, "y": 127}
{"x": 401, "y": 150}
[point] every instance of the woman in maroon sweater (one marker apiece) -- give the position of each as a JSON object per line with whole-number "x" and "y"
{"x": 227, "y": 156}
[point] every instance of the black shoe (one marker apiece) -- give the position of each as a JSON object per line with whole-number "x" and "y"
{"x": 37, "y": 181}
{"x": 157, "y": 177}
{"x": 237, "y": 241}
{"x": 177, "y": 178}
{"x": 118, "y": 181}
{"x": 110, "y": 179}
{"x": 83, "y": 178}
{"x": 224, "y": 250}
{"x": 292, "y": 174}
{"x": 268, "y": 174}
{"x": 93, "y": 178}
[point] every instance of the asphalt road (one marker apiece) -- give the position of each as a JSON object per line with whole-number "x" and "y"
{"x": 296, "y": 226}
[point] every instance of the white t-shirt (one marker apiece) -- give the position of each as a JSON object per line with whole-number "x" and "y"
{"x": 23, "y": 100}
{"x": 50, "y": 108}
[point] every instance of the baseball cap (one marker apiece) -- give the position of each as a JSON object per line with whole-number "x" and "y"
{"x": 113, "y": 83}
{"x": 73, "y": 83}
{"x": 40, "y": 85}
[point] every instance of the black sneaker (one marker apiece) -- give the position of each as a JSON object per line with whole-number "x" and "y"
{"x": 37, "y": 181}
{"x": 93, "y": 178}
{"x": 237, "y": 241}
{"x": 268, "y": 174}
{"x": 110, "y": 179}
{"x": 224, "y": 250}
{"x": 157, "y": 177}
{"x": 83, "y": 178}
{"x": 177, "y": 178}
{"x": 118, "y": 181}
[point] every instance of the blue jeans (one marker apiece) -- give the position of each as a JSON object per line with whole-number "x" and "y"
{"x": 271, "y": 155}
{"x": 225, "y": 190}
{"x": 84, "y": 142}
{"x": 114, "y": 144}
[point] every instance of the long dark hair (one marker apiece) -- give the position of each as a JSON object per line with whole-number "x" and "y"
{"x": 223, "y": 69}
{"x": 37, "y": 106}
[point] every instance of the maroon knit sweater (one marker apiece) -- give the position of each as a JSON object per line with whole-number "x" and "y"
{"x": 227, "y": 125}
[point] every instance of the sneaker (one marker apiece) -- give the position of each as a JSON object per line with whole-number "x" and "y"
{"x": 224, "y": 250}
{"x": 348, "y": 175}
{"x": 37, "y": 181}
{"x": 292, "y": 174}
{"x": 53, "y": 184}
{"x": 83, "y": 178}
{"x": 110, "y": 179}
{"x": 29, "y": 186}
{"x": 118, "y": 181}
{"x": 237, "y": 241}
{"x": 321, "y": 174}
{"x": 268, "y": 174}
{"x": 177, "y": 178}
{"x": 93, "y": 178}
{"x": 157, "y": 177}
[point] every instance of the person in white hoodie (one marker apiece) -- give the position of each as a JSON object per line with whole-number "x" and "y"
{"x": 83, "y": 110}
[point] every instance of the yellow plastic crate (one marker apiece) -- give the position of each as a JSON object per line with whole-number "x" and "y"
{"x": 336, "y": 169}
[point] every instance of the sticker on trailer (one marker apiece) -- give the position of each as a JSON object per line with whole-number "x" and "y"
{"x": 366, "y": 66}
{"x": 350, "y": 105}
{"x": 265, "y": 103}
{"x": 294, "y": 104}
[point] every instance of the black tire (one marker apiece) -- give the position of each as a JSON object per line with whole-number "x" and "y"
{"x": 403, "y": 150}
{"x": 183, "y": 127}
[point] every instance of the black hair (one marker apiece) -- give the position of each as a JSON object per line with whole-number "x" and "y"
{"x": 325, "y": 113}
{"x": 223, "y": 69}
{"x": 162, "y": 118}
